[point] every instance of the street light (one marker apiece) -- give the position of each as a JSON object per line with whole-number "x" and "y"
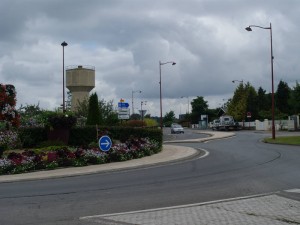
{"x": 241, "y": 81}
{"x": 272, "y": 74}
{"x": 132, "y": 92}
{"x": 160, "y": 64}
{"x": 64, "y": 44}
{"x": 188, "y": 111}
{"x": 143, "y": 111}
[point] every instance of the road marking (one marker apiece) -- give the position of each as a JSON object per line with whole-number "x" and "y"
{"x": 177, "y": 207}
{"x": 206, "y": 153}
{"x": 293, "y": 190}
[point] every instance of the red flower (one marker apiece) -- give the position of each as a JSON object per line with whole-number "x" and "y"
{"x": 51, "y": 156}
{"x": 71, "y": 155}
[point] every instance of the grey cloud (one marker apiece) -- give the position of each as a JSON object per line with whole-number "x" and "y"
{"x": 125, "y": 40}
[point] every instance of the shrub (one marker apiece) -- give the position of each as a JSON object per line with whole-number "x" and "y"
{"x": 31, "y": 137}
{"x": 7, "y": 105}
{"x": 9, "y": 140}
{"x": 61, "y": 121}
{"x": 83, "y": 136}
{"x": 150, "y": 122}
{"x": 135, "y": 123}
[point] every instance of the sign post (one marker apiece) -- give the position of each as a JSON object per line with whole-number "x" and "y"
{"x": 123, "y": 110}
{"x": 249, "y": 116}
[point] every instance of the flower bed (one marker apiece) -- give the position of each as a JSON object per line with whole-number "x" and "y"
{"x": 8, "y": 140}
{"x": 32, "y": 160}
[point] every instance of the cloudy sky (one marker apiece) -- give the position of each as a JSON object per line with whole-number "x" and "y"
{"x": 125, "y": 40}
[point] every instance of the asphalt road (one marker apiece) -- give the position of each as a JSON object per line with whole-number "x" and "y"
{"x": 237, "y": 166}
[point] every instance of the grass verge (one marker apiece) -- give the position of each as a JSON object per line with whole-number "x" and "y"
{"x": 287, "y": 140}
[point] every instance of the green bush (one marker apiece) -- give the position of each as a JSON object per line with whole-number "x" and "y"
{"x": 50, "y": 143}
{"x": 135, "y": 123}
{"x": 62, "y": 121}
{"x": 83, "y": 136}
{"x": 31, "y": 137}
{"x": 151, "y": 122}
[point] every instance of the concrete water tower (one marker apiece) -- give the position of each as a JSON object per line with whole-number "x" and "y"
{"x": 80, "y": 81}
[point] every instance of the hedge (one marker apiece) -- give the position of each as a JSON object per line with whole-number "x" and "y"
{"x": 83, "y": 136}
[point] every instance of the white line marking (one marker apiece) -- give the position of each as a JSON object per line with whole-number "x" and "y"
{"x": 205, "y": 154}
{"x": 176, "y": 207}
{"x": 293, "y": 190}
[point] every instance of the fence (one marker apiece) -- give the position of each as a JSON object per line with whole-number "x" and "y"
{"x": 292, "y": 123}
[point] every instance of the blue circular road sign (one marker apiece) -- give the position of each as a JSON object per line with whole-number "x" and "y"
{"x": 105, "y": 143}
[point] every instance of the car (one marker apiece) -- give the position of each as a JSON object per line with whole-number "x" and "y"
{"x": 176, "y": 129}
{"x": 215, "y": 124}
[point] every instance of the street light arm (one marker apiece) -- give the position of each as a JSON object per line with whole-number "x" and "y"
{"x": 249, "y": 27}
{"x": 241, "y": 81}
{"x": 163, "y": 63}
{"x": 137, "y": 91}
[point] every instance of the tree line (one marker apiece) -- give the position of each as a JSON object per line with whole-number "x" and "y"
{"x": 247, "y": 99}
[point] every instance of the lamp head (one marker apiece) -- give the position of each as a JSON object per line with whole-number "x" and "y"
{"x": 64, "y": 44}
{"x": 248, "y": 28}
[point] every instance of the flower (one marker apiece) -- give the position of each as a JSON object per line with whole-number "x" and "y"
{"x": 7, "y": 105}
{"x": 31, "y": 160}
{"x": 9, "y": 139}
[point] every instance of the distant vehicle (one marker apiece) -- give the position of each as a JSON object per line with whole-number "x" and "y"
{"x": 215, "y": 124}
{"x": 225, "y": 123}
{"x": 176, "y": 129}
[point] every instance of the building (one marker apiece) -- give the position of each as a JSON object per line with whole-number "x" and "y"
{"x": 80, "y": 81}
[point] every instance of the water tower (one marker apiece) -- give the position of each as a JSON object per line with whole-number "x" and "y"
{"x": 80, "y": 81}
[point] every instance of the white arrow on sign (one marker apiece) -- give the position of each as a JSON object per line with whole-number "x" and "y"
{"x": 106, "y": 144}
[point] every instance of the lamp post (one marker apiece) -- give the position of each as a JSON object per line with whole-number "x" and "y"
{"x": 143, "y": 111}
{"x": 160, "y": 96}
{"x": 272, "y": 74}
{"x": 188, "y": 109}
{"x": 132, "y": 92}
{"x": 64, "y": 44}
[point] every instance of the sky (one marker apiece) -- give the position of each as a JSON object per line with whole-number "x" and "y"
{"x": 126, "y": 39}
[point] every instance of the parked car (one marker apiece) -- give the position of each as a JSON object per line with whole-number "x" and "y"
{"x": 176, "y": 129}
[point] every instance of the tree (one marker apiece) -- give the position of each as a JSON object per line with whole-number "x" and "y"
{"x": 261, "y": 100}
{"x": 251, "y": 101}
{"x": 93, "y": 116}
{"x": 169, "y": 118}
{"x": 32, "y": 115}
{"x": 282, "y": 97}
{"x": 237, "y": 107}
{"x": 199, "y": 107}
{"x": 107, "y": 113}
{"x": 295, "y": 99}
{"x": 82, "y": 108}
